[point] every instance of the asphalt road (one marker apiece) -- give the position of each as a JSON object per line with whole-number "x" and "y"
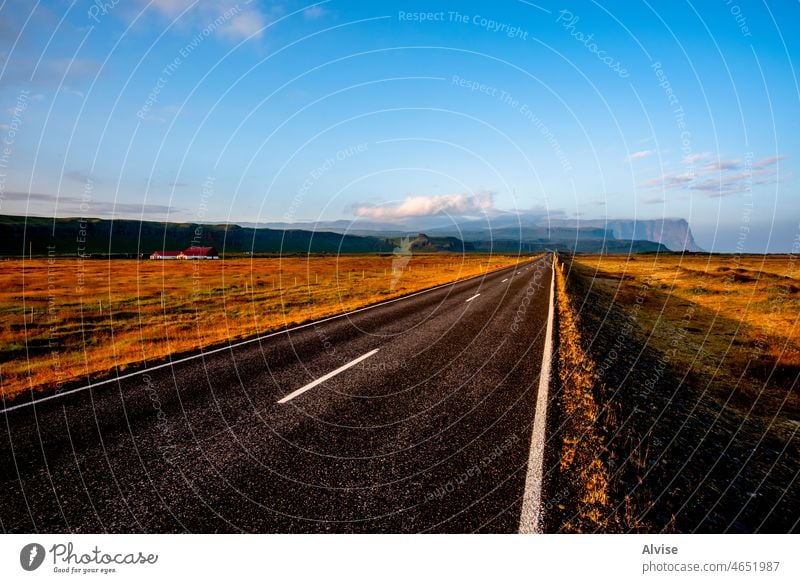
{"x": 431, "y": 433}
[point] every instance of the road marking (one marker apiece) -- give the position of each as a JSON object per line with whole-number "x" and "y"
{"x": 472, "y": 298}
{"x": 324, "y": 378}
{"x": 505, "y": 280}
{"x": 231, "y": 346}
{"x": 530, "y": 521}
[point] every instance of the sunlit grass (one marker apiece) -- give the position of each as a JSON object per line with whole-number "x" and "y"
{"x": 730, "y": 322}
{"x": 581, "y": 440}
{"x": 656, "y": 349}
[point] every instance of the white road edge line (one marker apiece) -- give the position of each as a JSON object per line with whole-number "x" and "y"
{"x": 237, "y": 344}
{"x": 472, "y": 298}
{"x": 324, "y": 378}
{"x": 530, "y": 521}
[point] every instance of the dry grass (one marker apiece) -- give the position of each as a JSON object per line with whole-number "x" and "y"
{"x": 67, "y": 320}
{"x": 692, "y": 363}
{"x": 730, "y": 323}
{"x": 582, "y": 446}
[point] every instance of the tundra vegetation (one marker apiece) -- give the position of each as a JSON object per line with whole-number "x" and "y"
{"x": 678, "y": 405}
{"x": 64, "y": 321}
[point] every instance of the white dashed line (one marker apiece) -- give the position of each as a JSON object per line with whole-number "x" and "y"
{"x": 505, "y": 280}
{"x": 472, "y": 298}
{"x": 322, "y": 379}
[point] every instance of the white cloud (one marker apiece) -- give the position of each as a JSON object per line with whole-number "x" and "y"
{"x": 768, "y": 161}
{"x": 245, "y": 25}
{"x": 720, "y": 177}
{"x": 231, "y": 19}
{"x": 694, "y": 158}
{"x": 426, "y": 206}
{"x": 169, "y": 8}
{"x": 68, "y": 205}
{"x": 638, "y": 155}
{"x": 718, "y": 165}
{"x": 314, "y": 12}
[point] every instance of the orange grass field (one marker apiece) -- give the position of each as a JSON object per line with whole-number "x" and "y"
{"x": 728, "y": 320}
{"x": 64, "y": 320}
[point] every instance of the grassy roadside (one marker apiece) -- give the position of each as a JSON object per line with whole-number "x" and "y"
{"x": 682, "y": 369}
{"x": 64, "y": 320}
{"x": 582, "y": 473}
{"x": 726, "y": 322}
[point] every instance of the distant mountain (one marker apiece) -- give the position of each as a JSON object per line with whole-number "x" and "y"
{"x": 69, "y": 236}
{"x": 424, "y": 244}
{"x": 506, "y": 233}
{"x": 360, "y": 225}
{"x": 675, "y": 234}
{"x": 572, "y": 246}
{"x": 339, "y": 226}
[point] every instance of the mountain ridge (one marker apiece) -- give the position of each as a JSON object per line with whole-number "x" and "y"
{"x": 674, "y": 233}
{"x": 20, "y": 236}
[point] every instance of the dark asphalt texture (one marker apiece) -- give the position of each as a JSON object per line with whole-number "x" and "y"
{"x": 431, "y": 434}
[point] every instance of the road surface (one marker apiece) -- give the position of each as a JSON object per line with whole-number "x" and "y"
{"x": 412, "y": 416}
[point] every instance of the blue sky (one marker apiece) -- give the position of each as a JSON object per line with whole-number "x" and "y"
{"x": 273, "y": 111}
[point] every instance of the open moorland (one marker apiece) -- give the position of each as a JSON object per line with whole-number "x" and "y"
{"x": 678, "y": 399}
{"x": 729, "y": 323}
{"x": 70, "y": 320}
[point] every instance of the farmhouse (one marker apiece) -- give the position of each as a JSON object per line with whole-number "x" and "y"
{"x": 188, "y": 253}
{"x": 165, "y": 254}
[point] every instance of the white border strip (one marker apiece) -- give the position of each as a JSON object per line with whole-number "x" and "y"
{"x": 244, "y": 342}
{"x": 530, "y": 521}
